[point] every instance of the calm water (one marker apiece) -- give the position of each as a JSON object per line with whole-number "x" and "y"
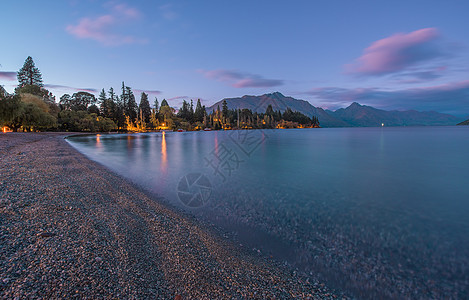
{"x": 375, "y": 212}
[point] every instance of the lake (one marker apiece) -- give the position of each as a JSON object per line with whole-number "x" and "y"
{"x": 374, "y": 212}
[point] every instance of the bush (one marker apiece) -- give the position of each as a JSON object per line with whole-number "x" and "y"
{"x": 70, "y": 120}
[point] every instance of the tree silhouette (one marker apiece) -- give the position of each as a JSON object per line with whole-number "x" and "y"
{"x": 144, "y": 107}
{"x": 29, "y": 74}
{"x": 164, "y": 103}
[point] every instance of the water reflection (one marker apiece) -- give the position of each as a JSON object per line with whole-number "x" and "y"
{"x": 164, "y": 155}
{"x": 98, "y": 142}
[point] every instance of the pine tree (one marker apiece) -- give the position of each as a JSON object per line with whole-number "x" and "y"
{"x": 156, "y": 104}
{"x": 132, "y": 107}
{"x": 269, "y": 110}
{"x": 103, "y": 103}
{"x": 119, "y": 110}
{"x": 164, "y": 103}
{"x": 199, "y": 112}
{"x": 184, "y": 111}
{"x": 29, "y": 74}
{"x": 124, "y": 98}
{"x": 191, "y": 112}
{"x": 224, "y": 109}
{"x": 144, "y": 107}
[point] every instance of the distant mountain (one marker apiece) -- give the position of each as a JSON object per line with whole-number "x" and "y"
{"x": 367, "y": 116}
{"x": 464, "y": 123}
{"x": 279, "y": 102}
{"x": 354, "y": 115}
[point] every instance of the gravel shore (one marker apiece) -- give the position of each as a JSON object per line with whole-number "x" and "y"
{"x": 71, "y": 228}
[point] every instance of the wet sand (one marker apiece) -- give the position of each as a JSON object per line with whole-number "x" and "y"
{"x": 69, "y": 227}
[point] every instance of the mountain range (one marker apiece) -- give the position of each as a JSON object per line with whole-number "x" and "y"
{"x": 355, "y": 115}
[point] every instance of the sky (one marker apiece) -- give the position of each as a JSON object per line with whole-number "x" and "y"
{"x": 387, "y": 54}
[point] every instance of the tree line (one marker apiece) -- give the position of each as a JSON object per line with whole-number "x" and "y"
{"x": 33, "y": 108}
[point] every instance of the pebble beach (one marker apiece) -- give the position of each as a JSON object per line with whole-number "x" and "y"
{"x": 70, "y": 227}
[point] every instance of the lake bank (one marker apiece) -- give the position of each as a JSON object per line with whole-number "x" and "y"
{"x": 70, "y": 227}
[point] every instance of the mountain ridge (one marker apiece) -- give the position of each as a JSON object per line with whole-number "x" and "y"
{"x": 355, "y": 115}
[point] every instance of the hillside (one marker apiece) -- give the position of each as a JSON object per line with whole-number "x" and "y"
{"x": 354, "y": 115}
{"x": 280, "y": 102}
{"x": 464, "y": 123}
{"x": 367, "y": 116}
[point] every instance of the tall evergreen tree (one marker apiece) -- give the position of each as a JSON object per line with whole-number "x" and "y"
{"x": 156, "y": 104}
{"x": 132, "y": 107}
{"x": 113, "y": 99}
{"x": 103, "y": 103}
{"x": 269, "y": 110}
{"x": 144, "y": 107}
{"x": 224, "y": 108}
{"x": 123, "y": 98}
{"x": 29, "y": 74}
{"x": 199, "y": 112}
{"x": 191, "y": 112}
{"x": 164, "y": 103}
{"x": 184, "y": 111}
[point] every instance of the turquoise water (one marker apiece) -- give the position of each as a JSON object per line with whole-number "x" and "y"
{"x": 374, "y": 212}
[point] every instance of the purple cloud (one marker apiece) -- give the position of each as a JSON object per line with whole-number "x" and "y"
{"x": 124, "y": 10}
{"x": 397, "y": 53}
{"x": 240, "y": 79}
{"x": 450, "y": 98}
{"x": 10, "y": 76}
{"x": 178, "y": 98}
{"x": 69, "y": 88}
{"x": 101, "y": 28}
{"x": 151, "y": 93}
{"x": 420, "y": 75}
{"x": 167, "y": 11}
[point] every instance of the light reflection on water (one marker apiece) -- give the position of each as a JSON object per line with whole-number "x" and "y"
{"x": 377, "y": 212}
{"x": 164, "y": 155}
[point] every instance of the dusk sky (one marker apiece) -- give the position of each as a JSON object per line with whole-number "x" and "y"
{"x": 387, "y": 54}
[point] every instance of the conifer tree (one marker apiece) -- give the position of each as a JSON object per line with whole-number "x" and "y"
{"x": 29, "y": 74}
{"x": 132, "y": 107}
{"x": 199, "y": 112}
{"x": 144, "y": 107}
{"x": 156, "y": 104}
{"x": 224, "y": 109}
{"x": 164, "y": 103}
{"x": 103, "y": 103}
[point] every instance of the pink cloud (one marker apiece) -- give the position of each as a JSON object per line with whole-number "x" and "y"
{"x": 397, "y": 53}
{"x": 127, "y": 11}
{"x": 10, "y": 76}
{"x": 102, "y": 28}
{"x": 151, "y": 93}
{"x": 67, "y": 88}
{"x": 257, "y": 82}
{"x": 168, "y": 12}
{"x": 240, "y": 79}
{"x": 177, "y": 98}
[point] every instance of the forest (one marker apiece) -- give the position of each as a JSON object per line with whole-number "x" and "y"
{"x": 33, "y": 108}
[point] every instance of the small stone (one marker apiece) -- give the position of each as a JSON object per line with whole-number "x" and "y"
{"x": 46, "y": 234}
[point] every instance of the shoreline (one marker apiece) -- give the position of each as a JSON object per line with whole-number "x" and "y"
{"x": 71, "y": 227}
